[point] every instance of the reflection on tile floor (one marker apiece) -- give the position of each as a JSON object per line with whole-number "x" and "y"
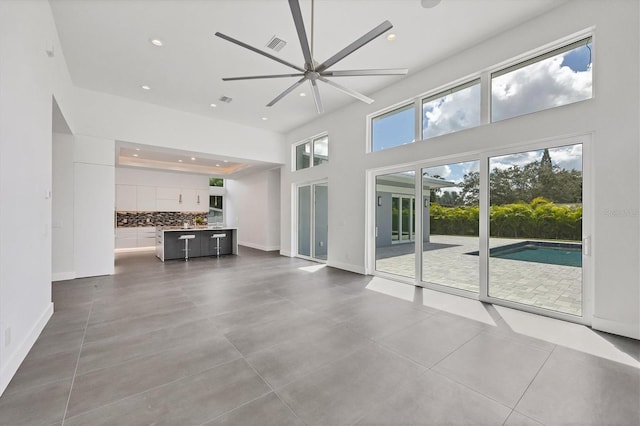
{"x": 554, "y": 287}
{"x": 260, "y": 339}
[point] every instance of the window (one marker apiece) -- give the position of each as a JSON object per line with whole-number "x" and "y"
{"x": 216, "y": 212}
{"x": 312, "y": 152}
{"x": 393, "y": 128}
{"x": 560, "y": 77}
{"x": 216, "y": 182}
{"x": 450, "y": 111}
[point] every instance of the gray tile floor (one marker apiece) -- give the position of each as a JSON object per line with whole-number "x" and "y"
{"x": 259, "y": 339}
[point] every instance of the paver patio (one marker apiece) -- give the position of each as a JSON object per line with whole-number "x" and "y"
{"x": 554, "y": 287}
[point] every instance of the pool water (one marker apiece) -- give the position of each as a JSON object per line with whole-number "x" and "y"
{"x": 567, "y": 256}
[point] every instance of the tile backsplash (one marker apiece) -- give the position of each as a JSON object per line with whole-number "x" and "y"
{"x": 136, "y": 219}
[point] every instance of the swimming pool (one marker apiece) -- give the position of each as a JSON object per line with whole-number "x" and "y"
{"x": 566, "y": 254}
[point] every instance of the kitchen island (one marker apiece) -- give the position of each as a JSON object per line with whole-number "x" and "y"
{"x": 206, "y": 241}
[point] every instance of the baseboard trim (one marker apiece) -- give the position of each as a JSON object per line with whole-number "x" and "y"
{"x": 12, "y": 365}
{"x": 616, "y": 327}
{"x": 258, "y": 246}
{"x": 286, "y": 253}
{"x": 347, "y": 267}
{"x": 63, "y": 276}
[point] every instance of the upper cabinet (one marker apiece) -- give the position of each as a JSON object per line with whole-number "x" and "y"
{"x": 202, "y": 200}
{"x": 182, "y": 200}
{"x": 159, "y": 191}
{"x": 126, "y": 198}
{"x": 146, "y": 198}
{"x": 168, "y": 199}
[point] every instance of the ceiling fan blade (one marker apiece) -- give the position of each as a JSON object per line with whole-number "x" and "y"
{"x": 316, "y": 97}
{"x": 256, "y": 77}
{"x": 253, "y": 49}
{"x": 349, "y": 73}
{"x": 287, "y": 91}
{"x": 346, "y": 90}
{"x": 377, "y": 31}
{"x": 294, "y": 5}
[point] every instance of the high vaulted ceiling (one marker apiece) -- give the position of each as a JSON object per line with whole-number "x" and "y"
{"x": 107, "y": 47}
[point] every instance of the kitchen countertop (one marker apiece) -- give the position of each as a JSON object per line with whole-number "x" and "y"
{"x": 195, "y": 228}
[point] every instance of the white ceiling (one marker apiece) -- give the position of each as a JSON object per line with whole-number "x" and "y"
{"x": 107, "y": 47}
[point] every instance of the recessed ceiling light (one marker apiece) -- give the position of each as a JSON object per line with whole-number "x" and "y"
{"x": 135, "y": 155}
{"x": 137, "y": 149}
{"x": 156, "y": 42}
{"x": 145, "y": 87}
{"x": 217, "y": 165}
{"x": 193, "y": 158}
{"x": 392, "y": 37}
{"x": 264, "y": 118}
{"x": 213, "y": 105}
{"x": 226, "y": 161}
{"x": 303, "y": 94}
{"x": 179, "y": 161}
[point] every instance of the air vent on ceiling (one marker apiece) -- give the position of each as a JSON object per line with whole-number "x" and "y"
{"x": 225, "y": 99}
{"x": 276, "y": 43}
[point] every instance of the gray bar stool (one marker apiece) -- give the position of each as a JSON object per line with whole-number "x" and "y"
{"x": 186, "y": 239}
{"x": 217, "y": 237}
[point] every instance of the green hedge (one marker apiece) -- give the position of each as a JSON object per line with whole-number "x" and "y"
{"x": 538, "y": 219}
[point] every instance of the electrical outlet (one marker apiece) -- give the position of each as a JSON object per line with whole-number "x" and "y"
{"x": 7, "y": 336}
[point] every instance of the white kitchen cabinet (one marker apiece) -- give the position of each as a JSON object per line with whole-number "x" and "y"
{"x": 146, "y": 236}
{"x": 146, "y": 198}
{"x": 182, "y": 199}
{"x": 202, "y": 200}
{"x": 168, "y": 199}
{"x": 126, "y": 238}
{"x": 188, "y": 200}
{"x": 126, "y": 198}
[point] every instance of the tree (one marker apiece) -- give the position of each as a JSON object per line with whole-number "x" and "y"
{"x": 471, "y": 189}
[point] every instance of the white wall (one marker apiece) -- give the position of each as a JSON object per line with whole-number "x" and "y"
{"x": 612, "y": 117}
{"x": 127, "y": 120}
{"x": 27, "y": 78}
{"x": 62, "y": 233}
{"x": 253, "y": 205}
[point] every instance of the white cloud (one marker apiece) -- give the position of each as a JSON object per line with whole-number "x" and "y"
{"x": 565, "y": 157}
{"x": 442, "y": 171}
{"x": 455, "y": 111}
{"x": 538, "y": 86}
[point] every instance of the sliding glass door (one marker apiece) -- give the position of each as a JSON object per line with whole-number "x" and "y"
{"x": 536, "y": 228}
{"x": 313, "y": 213}
{"x": 395, "y": 224}
{"x": 504, "y": 227}
{"x": 450, "y": 244}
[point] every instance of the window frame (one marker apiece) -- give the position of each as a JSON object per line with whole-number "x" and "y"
{"x": 397, "y": 107}
{"x": 484, "y": 77}
{"x": 311, "y": 141}
{"x": 467, "y": 83}
{"x": 538, "y": 55}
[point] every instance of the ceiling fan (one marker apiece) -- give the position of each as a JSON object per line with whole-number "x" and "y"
{"x": 314, "y": 72}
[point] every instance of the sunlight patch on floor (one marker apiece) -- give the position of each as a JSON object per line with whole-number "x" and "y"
{"x": 392, "y": 288}
{"x": 567, "y": 334}
{"x": 314, "y": 268}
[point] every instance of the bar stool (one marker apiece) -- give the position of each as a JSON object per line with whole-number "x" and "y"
{"x": 186, "y": 239}
{"x": 217, "y": 237}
